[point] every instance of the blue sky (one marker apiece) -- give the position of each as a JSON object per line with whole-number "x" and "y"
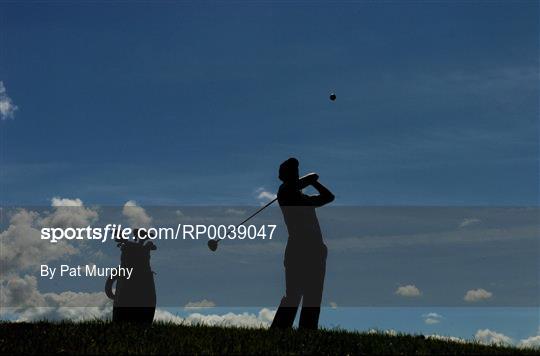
{"x": 190, "y": 103}
{"x": 197, "y": 103}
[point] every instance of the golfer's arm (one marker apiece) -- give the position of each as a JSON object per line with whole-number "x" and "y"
{"x": 303, "y": 184}
{"x": 325, "y": 195}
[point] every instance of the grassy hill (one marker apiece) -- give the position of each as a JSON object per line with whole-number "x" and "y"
{"x": 162, "y": 338}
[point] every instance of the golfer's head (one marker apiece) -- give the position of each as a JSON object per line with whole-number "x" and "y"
{"x": 288, "y": 171}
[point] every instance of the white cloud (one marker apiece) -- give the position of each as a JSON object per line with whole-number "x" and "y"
{"x": 65, "y": 310}
{"x": 262, "y": 320}
{"x": 468, "y": 222}
{"x": 136, "y": 215}
{"x": 69, "y": 213}
{"x": 7, "y": 107}
{"x": 446, "y": 338}
{"x": 432, "y": 318}
{"x": 65, "y": 313}
{"x": 235, "y": 212}
{"x": 390, "y": 332}
{"x": 249, "y": 320}
{"x": 476, "y": 295}
{"x": 264, "y": 195}
{"x": 483, "y": 336}
{"x": 530, "y": 342}
{"x": 21, "y": 246}
{"x": 409, "y": 290}
{"x": 27, "y": 303}
{"x": 167, "y": 317}
{"x": 22, "y": 250}
{"x": 57, "y": 201}
{"x": 488, "y": 337}
{"x": 199, "y": 305}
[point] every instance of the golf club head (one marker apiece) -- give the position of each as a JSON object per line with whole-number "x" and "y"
{"x": 212, "y": 244}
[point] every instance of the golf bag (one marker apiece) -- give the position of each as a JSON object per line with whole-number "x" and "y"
{"x": 134, "y": 298}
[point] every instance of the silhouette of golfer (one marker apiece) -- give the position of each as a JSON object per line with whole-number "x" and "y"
{"x": 305, "y": 254}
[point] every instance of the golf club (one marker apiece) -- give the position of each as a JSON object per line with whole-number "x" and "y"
{"x": 213, "y": 244}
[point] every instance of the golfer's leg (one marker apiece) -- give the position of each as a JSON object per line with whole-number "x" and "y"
{"x": 311, "y": 304}
{"x": 286, "y": 312}
{"x": 284, "y": 316}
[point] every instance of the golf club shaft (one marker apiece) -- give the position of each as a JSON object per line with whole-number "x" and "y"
{"x": 213, "y": 243}
{"x": 252, "y": 215}
{"x": 258, "y": 211}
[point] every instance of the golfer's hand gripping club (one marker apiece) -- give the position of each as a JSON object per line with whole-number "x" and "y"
{"x": 308, "y": 180}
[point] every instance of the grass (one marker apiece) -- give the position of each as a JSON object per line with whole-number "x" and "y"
{"x": 99, "y": 337}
